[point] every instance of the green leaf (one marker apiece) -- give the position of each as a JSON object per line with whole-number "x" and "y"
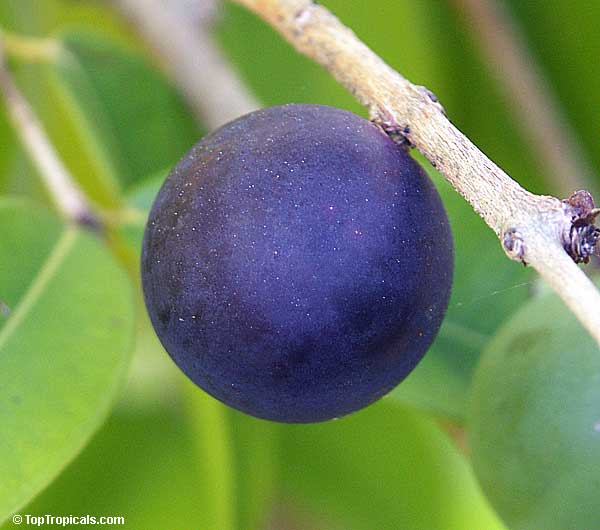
{"x": 78, "y": 137}
{"x": 64, "y": 345}
{"x": 20, "y": 178}
{"x": 8, "y": 142}
{"x": 235, "y": 455}
{"x": 33, "y": 17}
{"x": 141, "y": 465}
{"x": 142, "y": 195}
{"x": 487, "y": 289}
{"x": 535, "y": 420}
{"x": 212, "y": 440}
{"x": 255, "y": 451}
{"x": 549, "y": 29}
{"x": 144, "y": 133}
{"x": 106, "y": 139}
{"x": 138, "y": 203}
{"x": 17, "y": 174}
{"x": 384, "y": 467}
{"x": 73, "y": 134}
{"x": 29, "y": 16}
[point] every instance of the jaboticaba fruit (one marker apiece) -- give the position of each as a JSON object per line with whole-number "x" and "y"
{"x": 297, "y": 263}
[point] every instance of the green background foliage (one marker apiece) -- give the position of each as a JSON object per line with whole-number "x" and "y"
{"x": 95, "y": 417}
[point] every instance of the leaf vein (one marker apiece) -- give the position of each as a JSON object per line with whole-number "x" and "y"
{"x": 39, "y": 283}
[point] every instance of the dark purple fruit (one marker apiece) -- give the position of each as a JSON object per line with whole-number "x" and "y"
{"x": 297, "y": 263}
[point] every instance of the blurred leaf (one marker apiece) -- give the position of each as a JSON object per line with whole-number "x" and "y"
{"x": 235, "y": 455}
{"x": 293, "y": 78}
{"x": 535, "y": 420}
{"x": 61, "y": 119}
{"x": 83, "y": 135}
{"x": 488, "y": 288}
{"x": 112, "y": 118}
{"x": 277, "y": 74}
{"x": 384, "y": 467}
{"x": 8, "y": 143}
{"x": 20, "y": 178}
{"x": 54, "y": 104}
{"x": 142, "y": 195}
{"x": 212, "y": 441}
{"x": 564, "y": 38}
{"x": 28, "y": 16}
{"x": 144, "y": 465}
{"x": 40, "y": 18}
{"x": 255, "y": 449}
{"x": 17, "y": 174}
{"x": 64, "y": 344}
{"x": 141, "y": 465}
{"x": 80, "y": 138}
{"x": 473, "y": 100}
{"x": 153, "y": 377}
{"x": 412, "y": 40}
{"x": 149, "y": 126}
{"x": 139, "y": 201}
{"x": 108, "y": 140}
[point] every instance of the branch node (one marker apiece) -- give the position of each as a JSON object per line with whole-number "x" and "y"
{"x": 386, "y": 121}
{"x": 91, "y": 221}
{"x": 398, "y": 134}
{"x": 302, "y": 18}
{"x": 582, "y": 203}
{"x": 432, "y": 98}
{"x": 514, "y": 245}
{"x": 583, "y": 237}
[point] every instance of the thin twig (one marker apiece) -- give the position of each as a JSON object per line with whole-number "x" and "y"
{"x": 64, "y": 190}
{"x": 533, "y": 229}
{"x": 536, "y": 110}
{"x": 196, "y": 12}
{"x": 207, "y": 81}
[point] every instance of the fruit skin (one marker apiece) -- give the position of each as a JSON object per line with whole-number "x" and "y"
{"x": 297, "y": 263}
{"x": 535, "y": 420}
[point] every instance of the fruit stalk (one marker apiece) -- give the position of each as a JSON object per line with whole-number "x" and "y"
{"x": 533, "y": 229}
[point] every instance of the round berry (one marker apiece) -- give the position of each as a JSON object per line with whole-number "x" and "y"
{"x": 535, "y": 420}
{"x": 297, "y": 263}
